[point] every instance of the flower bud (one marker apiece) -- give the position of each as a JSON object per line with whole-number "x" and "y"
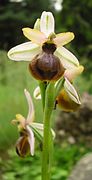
{"x": 46, "y": 66}
{"x": 65, "y": 103}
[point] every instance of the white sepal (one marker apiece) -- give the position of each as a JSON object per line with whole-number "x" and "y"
{"x": 68, "y": 60}
{"x": 24, "y": 52}
{"x": 72, "y": 93}
{"x": 47, "y": 23}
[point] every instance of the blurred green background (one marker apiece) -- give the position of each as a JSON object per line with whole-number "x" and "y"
{"x": 70, "y": 15}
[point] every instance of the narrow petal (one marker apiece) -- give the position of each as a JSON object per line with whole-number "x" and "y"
{"x": 47, "y": 23}
{"x": 73, "y": 73}
{"x": 24, "y": 52}
{"x": 37, "y": 93}
{"x": 38, "y": 129}
{"x": 68, "y": 60}
{"x": 31, "y": 140}
{"x": 34, "y": 35}
{"x": 37, "y": 24}
{"x": 30, "y": 116}
{"x": 63, "y": 38}
{"x": 69, "y": 88}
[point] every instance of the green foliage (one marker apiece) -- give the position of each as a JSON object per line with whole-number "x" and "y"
{"x": 76, "y": 16}
{"x": 12, "y": 99}
{"x": 18, "y": 168}
{"x": 14, "y": 16}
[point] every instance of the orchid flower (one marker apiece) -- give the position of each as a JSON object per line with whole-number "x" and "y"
{"x": 68, "y": 98}
{"x": 28, "y": 129}
{"x": 43, "y": 38}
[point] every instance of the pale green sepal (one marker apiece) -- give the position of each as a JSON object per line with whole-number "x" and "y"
{"x": 68, "y": 60}
{"x": 24, "y": 52}
{"x": 72, "y": 93}
{"x": 68, "y": 55}
{"x": 38, "y": 130}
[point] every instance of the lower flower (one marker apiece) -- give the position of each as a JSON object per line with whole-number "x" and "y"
{"x": 28, "y": 130}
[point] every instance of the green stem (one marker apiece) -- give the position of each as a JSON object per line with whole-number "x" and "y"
{"x": 43, "y": 86}
{"x": 46, "y": 159}
{"x": 47, "y": 141}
